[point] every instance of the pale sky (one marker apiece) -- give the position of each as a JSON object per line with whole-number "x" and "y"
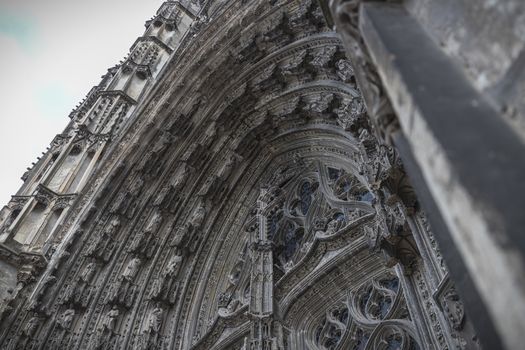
{"x": 52, "y": 53}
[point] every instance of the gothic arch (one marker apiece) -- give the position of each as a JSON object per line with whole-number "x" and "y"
{"x": 247, "y": 184}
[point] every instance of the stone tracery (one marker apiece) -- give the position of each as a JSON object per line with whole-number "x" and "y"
{"x": 251, "y": 193}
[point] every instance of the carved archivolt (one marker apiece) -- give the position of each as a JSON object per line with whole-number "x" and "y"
{"x": 245, "y": 205}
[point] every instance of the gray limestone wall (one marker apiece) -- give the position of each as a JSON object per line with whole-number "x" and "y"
{"x": 486, "y": 38}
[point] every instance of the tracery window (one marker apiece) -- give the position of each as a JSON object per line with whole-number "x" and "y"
{"x": 373, "y": 317}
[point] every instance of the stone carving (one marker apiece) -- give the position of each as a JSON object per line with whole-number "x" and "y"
{"x": 131, "y": 270}
{"x": 145, "y": 242}
{"x": 228, "y": 299}
{"x": 169, "y": 194}
{"x": 102, "y": 246}
{"x": 66, "y": 319}
{"x": 351, "y": 115}
{"x": 227, "y": 168}
{"x": 209, "y": 135}
{"x": 165, "y": 286}
{"x": 109, "y": 322}
{"x": 345, "y": 72}
{"x": 105, "y": 335}
{"x": 332, "y": 227}
{"x": 154, "y": 223}
{"x": 267, "y": 100}
{"x": 187, "y": 237}
{"x": 150, "y": 333}
{"x": 89, "y": 272}
{"x": 32, "y": 326}
{"x": 319, "y": 105}
{"x": 293, "y": 64}
{"x": 154, "y": 321}
{"x": 392, "y": 235}
{"x": 125, "y": 203}
{"x": 320, "y": 58}
{"x": 197, "y": 25}
{"x": 454, "y": 309}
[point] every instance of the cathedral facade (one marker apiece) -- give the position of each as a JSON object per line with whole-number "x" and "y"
{"x": 250, "y": 178}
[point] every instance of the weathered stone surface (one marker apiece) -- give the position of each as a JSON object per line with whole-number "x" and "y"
{"x": 228, "y": 186}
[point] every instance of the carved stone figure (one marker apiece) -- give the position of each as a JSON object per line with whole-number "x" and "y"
{"x": 31, "y": 327}
{"x": 198, "y": 217}
{"x": 174, "y": 266}
{"x": 89, "y": 272}
{"x": 66, "y": 319}
{"x": 131, "y": 269}
{"x": 136, "y": 186}
{"x": 181, "y": 236}
{"x": 227, "y": 168}
{"x": 112, "y": 227}
{"x": 235, "y": 275}
{"x": 154, "y": 223}
{"x": 209, "y": 135}
{"x": 110, "y": 320}
{"x": 165, "y": 140}
{"x": 154, "y": 320}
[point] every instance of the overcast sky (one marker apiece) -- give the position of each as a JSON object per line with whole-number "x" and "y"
{"x": 51, "y": 53}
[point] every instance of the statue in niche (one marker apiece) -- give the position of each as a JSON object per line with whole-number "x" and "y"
{"x": 154, "y": 322}
{"x": 245, "y": 344}
{"x": 89, "y": 272}
{"x": 145, "y": 242}
{"x": 174, "y": 266}
{"x": 136, "y": 186}
{"x": 165, "y": 286}
{"x": 180, "y": 178}
{"x": 113, "y": 226}
{"x": 150, "y": 164}
{"x": 262, "y": 42}
{"x": 181, "y": 236}
{"x": 66, "y": 319}
{"x": 147, "y": 162}
{"x": 162, "y": 144}
{"x": 131, "y": 270}
{"x": 227, "y": 168}
{"x": 227, "y": 299}
{"x": 235, "y": 275}
{"x": 197, "y": 218}
{"x": 154, "y": 223}
{"x": 32, "y": 327}
{"x": 209, "y": 135}
{"x": 169, "y": 191}
{"x": 109, "y": 323}
{"x": 151, "y": 330}
{"x": 120, "y": 204}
